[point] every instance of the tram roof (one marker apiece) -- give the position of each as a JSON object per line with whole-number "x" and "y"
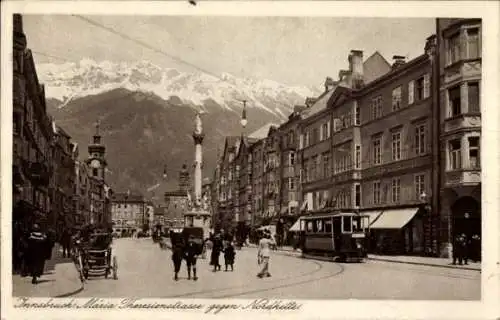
{"x": 332, "y": 215}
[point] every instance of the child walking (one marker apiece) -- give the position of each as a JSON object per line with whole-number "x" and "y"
{"x": 229, "y": 254}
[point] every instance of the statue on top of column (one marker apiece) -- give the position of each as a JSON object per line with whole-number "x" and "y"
{"x": 197, "y": 124}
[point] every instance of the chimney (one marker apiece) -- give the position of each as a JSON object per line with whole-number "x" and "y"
{"x": 18, "y": 23}
{"x": 329, "y": 84}
{"x": 310, "y": 101}
{"x": 398, "y": 61}
{"x": 298, "y": 109}
{"x": 430, "y": 45}
{"x": 356, "y": 68}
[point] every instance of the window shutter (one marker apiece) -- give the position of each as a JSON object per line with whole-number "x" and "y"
{"x": 411, "y": 91}
{"x": 427, "y": 85}
{"x": 328, "y": 129}
{"x": 321, "y": 138}
{"x": 301, "y": 141}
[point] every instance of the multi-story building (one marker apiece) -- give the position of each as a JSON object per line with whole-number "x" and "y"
{"x": 393, "y": 156}
{"x": 177, "y": 201}
{"x": 272, "y": 175}
{"x": 458, "y": 86}
{"x": 63, "y": 168}
{"x": 289, "y": 171}
{"x": 150, "y": 213}
{"x": 228, "y": 187}
{"x": 127, "y": 213}
{"x": 81, "y": 199}
{"x": 32, "y": 136}
{"x": 257, "y": 154}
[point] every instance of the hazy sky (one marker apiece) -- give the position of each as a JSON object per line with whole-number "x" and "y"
{"x": 291, "y": 50}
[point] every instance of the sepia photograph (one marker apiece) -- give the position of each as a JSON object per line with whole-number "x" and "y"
{"x": 264, "y": 158}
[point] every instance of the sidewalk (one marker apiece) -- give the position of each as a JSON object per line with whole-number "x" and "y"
{"x": 60, "y": 279}
{"x": 426, "y": 261}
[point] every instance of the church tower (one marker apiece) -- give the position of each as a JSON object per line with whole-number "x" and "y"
{"x": 96, "y": 160}
{"x": 184, "y": 181}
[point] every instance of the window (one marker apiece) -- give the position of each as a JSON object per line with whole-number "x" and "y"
{"x": 396, "y": 146}
{"x": 346, "y": 224}
{"x": 319, "y": 225}
{"x": 324, "y": 131}
{"x": 396, "y": 98}
{"x": 357, "y": 195}
{"x": 291, "y": 183}
{"x": 419, "y": 185}
{"x": 307, "y": 142}
{"x": 455, "y": 155}
{"x": 376, "y": 192}
{"x": 376, "y": 107}
{"x": 420, "y": 139}
{"x": 454, "y": 101}
{"x": 315, "y": 137}
{"x": 474, "y": 153}
{"x": 94, "y": 172}
{"x": 396, "y": 190}
{"x": 419, "y": 89}
{"x": 328, "y": 226}
{"x": 318, "y": 167}
{"x": 357, "y": 157}
{"x": 291, "y": 158}
{"x": 357, "y": 119}
{"x": 454, "y": 48}
{"x": 301, "y": 141}
{"x": 411, "y": 92}
{"x": 473, "y": 45}
{"x": 376, "y": 150}
{"x": 291, "y": 138}
{"x": 326, "y": 165}
{"x": 473, "y": 88}
{"x": 309, "y": 226}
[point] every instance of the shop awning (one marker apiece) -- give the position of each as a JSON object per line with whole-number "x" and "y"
{"x": 373, "y": 215}
{"x": 296, "y": 226}
{"x": 394, "y": 218}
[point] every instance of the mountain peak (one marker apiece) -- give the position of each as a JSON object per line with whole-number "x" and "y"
{"x": 68, "y": 81}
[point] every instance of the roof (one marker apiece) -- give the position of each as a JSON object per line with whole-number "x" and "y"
{"x": 320, "y": 104}
{"x": 374, "y": 67}
{"x": 263, "y": 131}
{"x": 127, "y": 198}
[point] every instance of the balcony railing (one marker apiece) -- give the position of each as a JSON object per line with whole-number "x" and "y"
{"x": 463, "y": 177}
{"x": 463, "y": 121}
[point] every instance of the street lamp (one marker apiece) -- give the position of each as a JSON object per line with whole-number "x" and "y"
{"x": 165, "y": 172}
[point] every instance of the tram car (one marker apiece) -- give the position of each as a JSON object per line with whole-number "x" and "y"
{"x": 342, "y": 236}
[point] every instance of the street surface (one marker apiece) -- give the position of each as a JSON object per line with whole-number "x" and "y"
{"x": 146, "y": 271}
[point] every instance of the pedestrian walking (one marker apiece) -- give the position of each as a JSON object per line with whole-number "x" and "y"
{"x": 177, "y": 254}
{"x": 66, "y": 242}
{"x": 264, "y": 254}
{"x": 216, "y": 250}
{"x": 191, "y": 252}
{"x": 37, "y": 252}
{"x": 229, "y": 254}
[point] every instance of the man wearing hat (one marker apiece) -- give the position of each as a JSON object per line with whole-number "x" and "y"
{"x": 191, "y": 253}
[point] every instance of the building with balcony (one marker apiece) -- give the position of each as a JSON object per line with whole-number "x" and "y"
{"x": 128, "y": 213}
{"x": 458, "y": 71}
{"x": 32, "y": 137}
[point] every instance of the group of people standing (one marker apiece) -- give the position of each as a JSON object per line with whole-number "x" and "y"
{"x": 465, "y": 249}
{"x": 32, "y": 247}
{"x": 219, "y": 243}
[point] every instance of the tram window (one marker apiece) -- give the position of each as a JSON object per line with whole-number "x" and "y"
{"x": 328, "y": 226}
{"x": 309, "y": 226}
{"x": 346, "y": 224}
{"x": 319, "y": 226}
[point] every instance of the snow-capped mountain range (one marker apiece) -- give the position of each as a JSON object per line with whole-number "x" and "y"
{"x": 68, "y": 81}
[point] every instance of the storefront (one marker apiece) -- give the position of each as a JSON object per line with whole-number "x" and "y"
{"x": 397, "y": 231}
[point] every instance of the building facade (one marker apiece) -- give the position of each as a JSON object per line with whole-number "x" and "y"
{"x": 177, "y": 201}
{"x": 128, "y": 213}
{"x": 458, "y": 77}
{"x": 32, "y": 138}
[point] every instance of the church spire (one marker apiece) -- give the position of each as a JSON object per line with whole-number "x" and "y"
{"x": 97, "y": 136}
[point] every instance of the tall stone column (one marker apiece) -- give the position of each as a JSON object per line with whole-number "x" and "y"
{"x": 198, "y": 137}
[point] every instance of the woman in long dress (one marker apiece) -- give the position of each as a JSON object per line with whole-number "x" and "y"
{"x": 216, "y": 250}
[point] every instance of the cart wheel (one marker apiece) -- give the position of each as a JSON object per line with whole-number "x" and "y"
{"x": 80, "y": 268}
{"x": 115, "y": 269}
